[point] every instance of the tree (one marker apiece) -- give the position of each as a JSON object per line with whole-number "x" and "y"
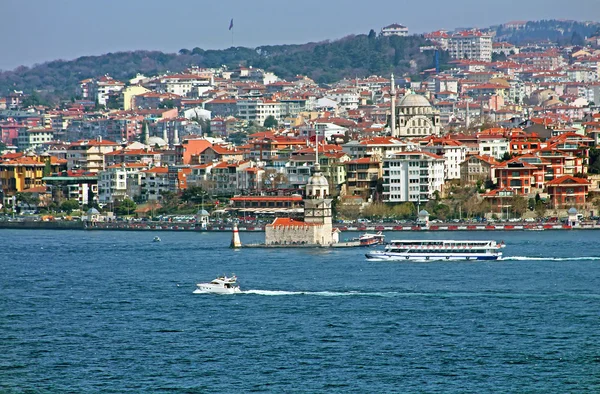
{"x": 404, "y": 211}
{"x": 47, "y": 167}
{"x": 506, "y": 156}
{"x": 69, "y": 206}
{"x": 540, "y": 209}
{"x": 193, "y": 195}
{"x": 348, "y": 211}
{"x": 376, "y": 210}
{"x": 518, "y": 205}
{"x": 125, "y": 207}
{"x": 169, "y": 201}
{"x": 270, "y": 122}
{"x": 29, "y": 199}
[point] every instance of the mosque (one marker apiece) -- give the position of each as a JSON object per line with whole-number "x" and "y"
{"x": 414, "y": 116}
{"x": 316, "y": 228}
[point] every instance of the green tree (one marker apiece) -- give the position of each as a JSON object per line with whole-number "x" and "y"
{"x": 405, "y": 210}
{"x": 270, "y": 122}
{"x": 69, "y": 206}
{"x": 376, "y": 210}
{"x": 47, "y": 167}
{"x": 125, "y": 207}
{"x": 30, "y": 200}
{"x": 194, "y": 195}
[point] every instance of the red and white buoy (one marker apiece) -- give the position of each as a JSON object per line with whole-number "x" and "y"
{"x": 235, "y": 239}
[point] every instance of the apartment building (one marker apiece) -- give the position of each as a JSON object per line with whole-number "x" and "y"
{"x": 472, "y": 44}
{"x": 258, "y": 110}
{"x": 30, "y": 139}
{"x": 412, "y": 176}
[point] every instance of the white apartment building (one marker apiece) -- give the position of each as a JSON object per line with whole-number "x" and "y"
{"x": 473, "y": 45}
{"x": 185, "y": 85}
{"x": 394, "y": 29}
{"x": 412, "y": 176}
{"x": 376, "y": 146}
{"x": 119, "y": 181}
{"x": 257, "y": 110}
{"x": 347, "y": 100}
{"x": 30, "y": 139}
{"x": 453, "y": 153}
{"x": 105, "y": 86}
{"x": 154, "y": 182}
{"x": 493, "y": 146}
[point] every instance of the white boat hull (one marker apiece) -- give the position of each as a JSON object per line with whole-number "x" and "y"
{"x": 391, "y": 256}
{"x": 208, "y": 288}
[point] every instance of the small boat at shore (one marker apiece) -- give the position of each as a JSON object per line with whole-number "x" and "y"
{"x": 438, "y": 250}
{"x": 156, "y": 239}
{"x": 221, "y": 285}
{"x": 368, "y": 239}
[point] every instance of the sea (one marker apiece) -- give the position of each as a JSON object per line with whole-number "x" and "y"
{"x": 114, "y": 312}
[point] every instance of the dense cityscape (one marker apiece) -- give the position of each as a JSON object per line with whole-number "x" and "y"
{"x": 494, "y": 131}
{"x": 325, "y": 197}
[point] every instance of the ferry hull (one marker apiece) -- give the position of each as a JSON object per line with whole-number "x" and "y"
{"x": 390, "y": 256}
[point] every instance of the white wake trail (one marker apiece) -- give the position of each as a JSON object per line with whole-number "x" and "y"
{"x": 527, "y": 258}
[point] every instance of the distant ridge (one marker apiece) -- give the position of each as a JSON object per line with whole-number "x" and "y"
{"x": 325, "y": 62}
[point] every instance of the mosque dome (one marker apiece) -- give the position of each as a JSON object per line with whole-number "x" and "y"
{"x": 414, "y": 100}
{"x": 153, "y": 141}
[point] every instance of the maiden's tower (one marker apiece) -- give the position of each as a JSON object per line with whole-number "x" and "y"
{"x": 316, "y": 227}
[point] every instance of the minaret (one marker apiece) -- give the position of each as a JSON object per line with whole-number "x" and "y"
{"x": 166, "y": 132}
{"x": 393, "y": 94}
{"x": 175, "y": 134}
{"x": 145, "y": 134}
{"x": 467, "y": 120}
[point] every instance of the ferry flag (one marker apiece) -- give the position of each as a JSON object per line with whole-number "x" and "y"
{"x": 231, "y": 24}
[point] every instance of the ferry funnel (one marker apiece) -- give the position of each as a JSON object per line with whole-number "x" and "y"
{"x": 235, "y": 239}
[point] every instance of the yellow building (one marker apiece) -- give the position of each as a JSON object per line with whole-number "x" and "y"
{"x": 19, "y": 172}
{"x": 129, "y": 93}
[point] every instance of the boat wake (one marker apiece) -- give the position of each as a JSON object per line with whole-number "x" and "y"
{"x": 318, "y": 293}
{"x": 405, "y": 294}
{"x": 526, "y": 258}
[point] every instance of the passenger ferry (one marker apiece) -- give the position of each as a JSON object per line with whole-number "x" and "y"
{"x": 439, "y": 250}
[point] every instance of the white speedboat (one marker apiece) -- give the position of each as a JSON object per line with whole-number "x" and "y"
{"x": 156, "y": 239}
{"x": 439, "y": 250}
{"x": 220, "y": 285}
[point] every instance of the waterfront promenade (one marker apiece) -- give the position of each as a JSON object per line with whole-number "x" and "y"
{"x": 173, "y": 226}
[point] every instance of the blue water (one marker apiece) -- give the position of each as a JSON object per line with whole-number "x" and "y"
{"x": 113, "y": 312}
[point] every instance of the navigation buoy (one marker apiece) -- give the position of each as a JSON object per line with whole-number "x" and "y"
{"x": 235, "y": 239}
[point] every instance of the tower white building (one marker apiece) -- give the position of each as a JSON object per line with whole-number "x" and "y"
{"x": 316, "y": 228}
{"x": 412, "y": 176}
{"x": 473, "y": 45}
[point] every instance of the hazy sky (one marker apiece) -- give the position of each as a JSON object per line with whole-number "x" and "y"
{"x": 35, "y": 31}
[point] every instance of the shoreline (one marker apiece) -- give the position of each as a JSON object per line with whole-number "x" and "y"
{"x": 120, "y": 226}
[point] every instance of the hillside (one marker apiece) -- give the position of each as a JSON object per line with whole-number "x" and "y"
{"x": 561, "y": 32}
{"x": 325, "y": 62}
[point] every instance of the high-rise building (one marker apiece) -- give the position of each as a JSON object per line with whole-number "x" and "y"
{"x": 471, "y": 44}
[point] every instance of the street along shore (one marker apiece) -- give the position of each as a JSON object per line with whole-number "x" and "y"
{"x": 171, "y": 226}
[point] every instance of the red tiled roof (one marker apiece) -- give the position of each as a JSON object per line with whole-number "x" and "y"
{"x": 567, "y": 179}
{"x": 288, "y": 222}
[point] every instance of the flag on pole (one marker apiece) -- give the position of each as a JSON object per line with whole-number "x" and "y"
{"x": 231, "y": 24}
